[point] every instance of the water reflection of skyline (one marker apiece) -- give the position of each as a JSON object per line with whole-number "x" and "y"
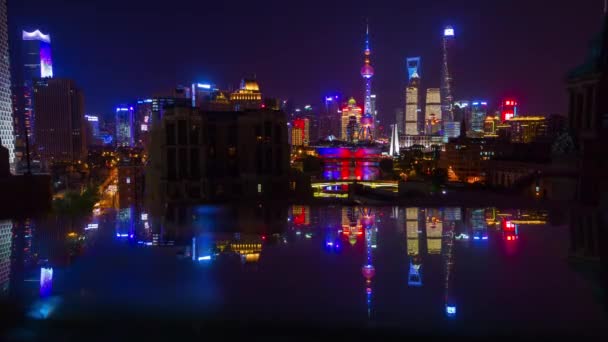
{"x": 428, "y": 236}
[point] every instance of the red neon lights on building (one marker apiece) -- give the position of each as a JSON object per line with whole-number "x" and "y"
{"x": 509, "y": 110}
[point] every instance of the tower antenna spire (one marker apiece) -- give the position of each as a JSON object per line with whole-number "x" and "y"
{"x": 367, "y": 33}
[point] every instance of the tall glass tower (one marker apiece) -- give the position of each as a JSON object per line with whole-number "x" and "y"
{"x": 37, "y": 64}
{"x": 7, "y": 138}
{"x": 447, "y": 97}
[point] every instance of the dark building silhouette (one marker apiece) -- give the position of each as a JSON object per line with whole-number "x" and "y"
{"x": 60, "y": 123}
{"x": 213, "y": 156}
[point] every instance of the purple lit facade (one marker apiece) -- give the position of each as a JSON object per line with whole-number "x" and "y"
{"x": 39, "y": 60}
{"x": 367, "y": 72}
{"x": 46, "y": 281}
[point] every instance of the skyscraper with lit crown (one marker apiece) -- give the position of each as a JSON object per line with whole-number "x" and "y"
{"x": 7, "y": 138}
{"x": 447, "y": 97}
{"x": 367, "y": 72}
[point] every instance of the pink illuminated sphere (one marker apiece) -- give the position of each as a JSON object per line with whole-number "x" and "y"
{"x": 367, "y": 71}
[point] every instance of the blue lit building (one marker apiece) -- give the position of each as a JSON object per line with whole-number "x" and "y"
{"x": 478, "y": 115}
{"x": 124, "y": 126}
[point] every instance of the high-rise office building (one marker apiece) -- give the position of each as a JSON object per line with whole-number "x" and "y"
{"x": 300, "y": 132}
{"x": 479, "y": 110}
{"x": 399, "y": 119}
{"x": 432, "y": 112}
{"x": 447, "y": 96}
{"x": 351, "y": 116}
{"x": 92, "y": 130}
{"x": 462, "y": 112}
{"x": 367, "y": 72}
{"x": 311, "y": 115}
{"x": 124, "y": 126}
{"x": 508, "y": 110}
{"x": 141, "y": 123}
{"x": 37, "y": 63}
{"x": 60, "y": 122}
{"x": 412, "y": 98}
{"x": 7, "y": 138}
{"x": 329, "y": 120}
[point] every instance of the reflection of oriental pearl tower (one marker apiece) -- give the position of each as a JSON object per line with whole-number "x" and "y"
{"x": 367, "y": 72}
{"x": 368, "y": 270}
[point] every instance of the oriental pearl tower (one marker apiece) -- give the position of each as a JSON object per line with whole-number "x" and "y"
{"x": 367, "y": 72}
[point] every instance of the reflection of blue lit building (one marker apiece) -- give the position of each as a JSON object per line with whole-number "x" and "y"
{"x": 479, "y": 227}
{"x": 124, "y": 126}
{"x": 125, "y": 225}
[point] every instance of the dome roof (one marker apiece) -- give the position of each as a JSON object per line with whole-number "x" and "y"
{"x": 352, "y": 101}
{"x": 251, "y": 85}
{"x": 367, "y": 71}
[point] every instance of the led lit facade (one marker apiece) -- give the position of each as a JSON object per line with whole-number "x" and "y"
{"x": 351, "y": 117}
{"x": 92, "y": 129}
{"x": 124, "y": 126}
{"x": 300, "y": 132}
{"x": 508, "y": 110}
{"x": 479, "y": 110}
{"x": 248, "y": 96}
{"x": 527, "y": 129}
{"x": 142, "y": 123}
{"x": 412, "y": 98}
{"x": 37, "y": 64}
{"x": 432, "y": 112}
{"x": 434, "y": 231}
{"x": 367, "y": 124}
{"x": 7, "y": 138}
{"x": 38, "y": 58}
{"x": 447, "y": 96}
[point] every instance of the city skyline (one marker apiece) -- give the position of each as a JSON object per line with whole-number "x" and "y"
{"x": 554, "y": 47}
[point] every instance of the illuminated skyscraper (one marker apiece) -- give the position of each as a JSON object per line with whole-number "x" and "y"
{"x": 300, "y": 132}
{"x": 329, "y": 120}
{"x": 124, "y": 126}
{"x": 447, "y": 97}
{"x": 142, "y": 121}
{"x": 478, "y": 116}
{"x": 37, "y": 63}
{"x": 7, "y": 138}
{"x": 508, "y": 110}
{"x": 367, "y": 72}
{"x": 411, "y": 106}
{"x": 351, "y": 116}
{"x": 432, "y": 112}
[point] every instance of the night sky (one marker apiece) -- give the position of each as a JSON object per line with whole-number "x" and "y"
{"x": 119, "y": 50}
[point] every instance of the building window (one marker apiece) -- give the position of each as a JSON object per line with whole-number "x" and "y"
{"x": 182, "y": 136}
{"x": 259, "y": 188}
{"x": 128, "y": 180}
{"x": 170, "y": 133}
